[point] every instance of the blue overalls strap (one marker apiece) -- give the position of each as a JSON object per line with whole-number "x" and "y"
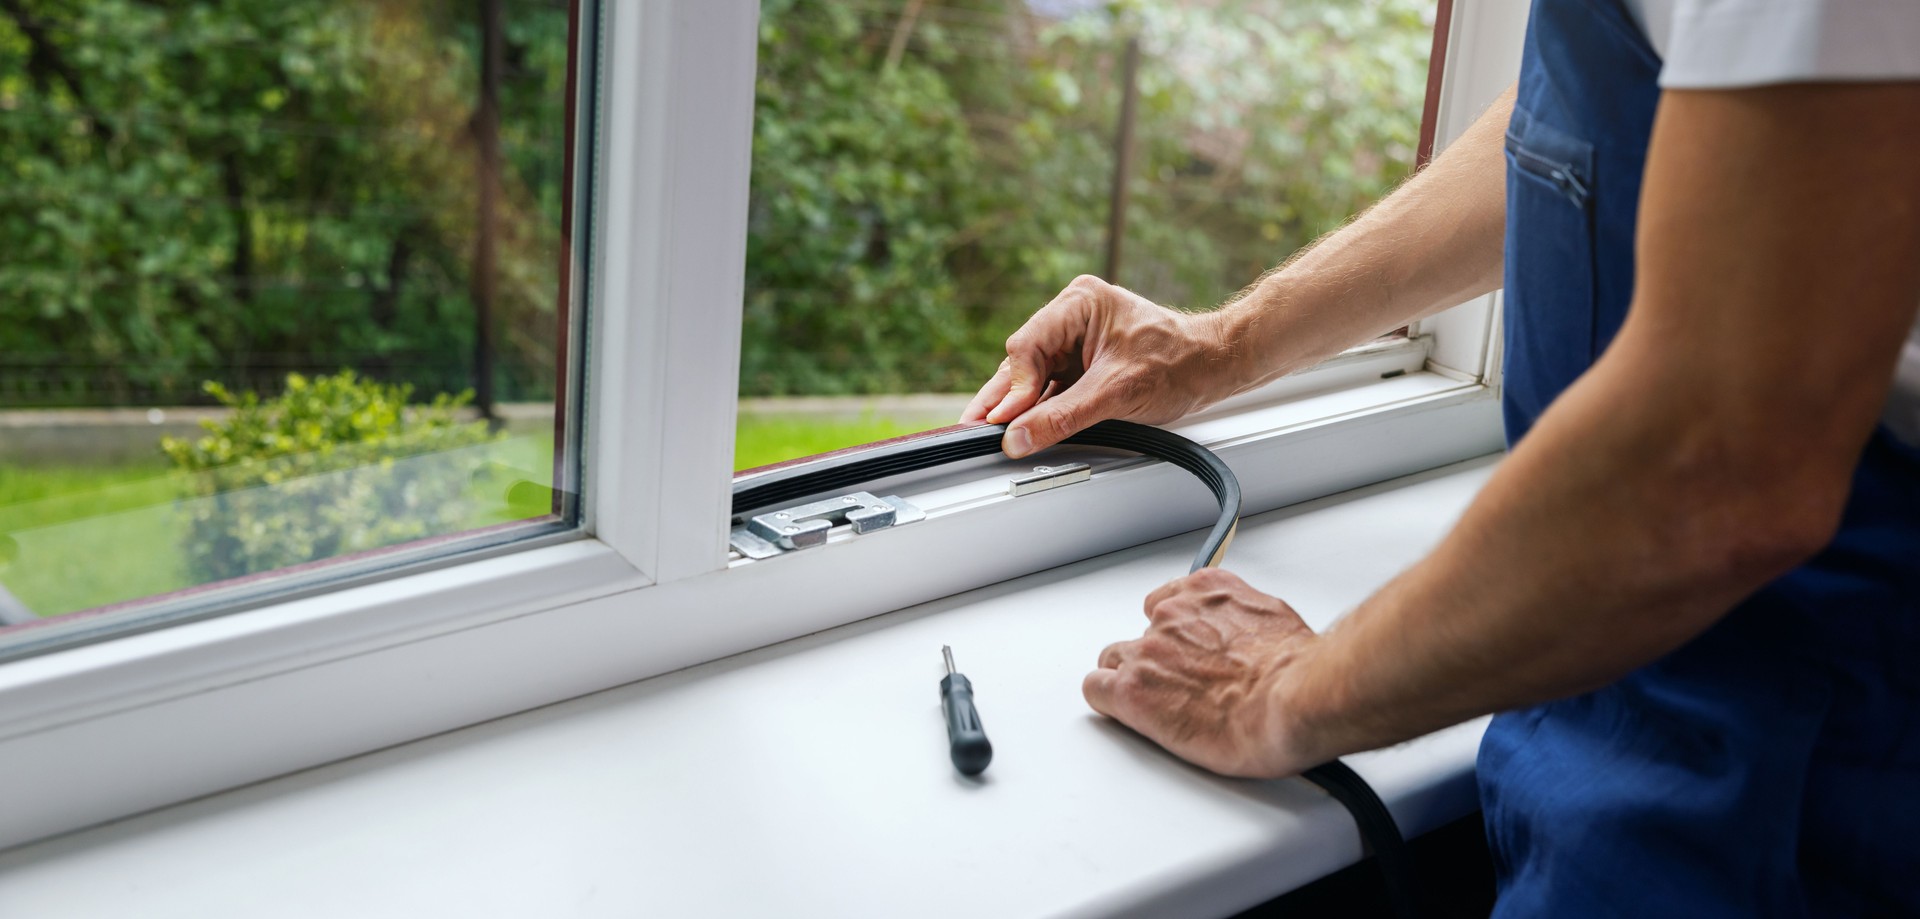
{"x": 1770, "y": 767}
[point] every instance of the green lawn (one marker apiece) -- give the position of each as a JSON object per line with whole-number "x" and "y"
{"x": 75, "y": 537}
{"x": 762, "y": 439}
{"x": 49, "y": 561}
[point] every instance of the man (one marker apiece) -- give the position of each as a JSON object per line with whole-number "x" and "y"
{"x": 1693, "y": 587}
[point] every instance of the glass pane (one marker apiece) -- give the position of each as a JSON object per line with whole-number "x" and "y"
{"x": 285, "y": 294}
{"x": 927, "y": 173}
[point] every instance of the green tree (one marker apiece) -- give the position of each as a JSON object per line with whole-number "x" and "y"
{"x": 234, "y": 188}
{"x": 910, "y": 209}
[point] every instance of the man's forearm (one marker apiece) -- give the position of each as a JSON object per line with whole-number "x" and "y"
{"x": 1709, "y": 449}
{"x": 1603, "y": 542}
{"x": 1434, "y": 242}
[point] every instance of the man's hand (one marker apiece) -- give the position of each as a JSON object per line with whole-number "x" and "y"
{"x": 1203, "y": 681}
{"x": 1097, "y": 352}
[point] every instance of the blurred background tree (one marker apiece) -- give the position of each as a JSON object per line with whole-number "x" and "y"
{"x": 927, "y": 174}
{"x": 237, "y": 189}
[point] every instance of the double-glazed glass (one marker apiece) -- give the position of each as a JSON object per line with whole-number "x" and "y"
{"x": 288, "y": 296}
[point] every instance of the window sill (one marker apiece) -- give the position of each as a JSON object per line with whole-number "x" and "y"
{"x": 812, "y": 776}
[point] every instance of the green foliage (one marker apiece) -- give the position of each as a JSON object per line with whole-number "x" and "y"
{"x": 908, "y": 213}
{"x": 230, "y": 189}
{"x": 236, "y": 188}
{"x": 334, "y": 465}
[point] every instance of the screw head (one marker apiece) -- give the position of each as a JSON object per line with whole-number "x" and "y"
{"x": 1043, "y": 468}
{"x": 851, "y": 499}
{"x": 780, "y": 516}
{"x": 791, "y": 530}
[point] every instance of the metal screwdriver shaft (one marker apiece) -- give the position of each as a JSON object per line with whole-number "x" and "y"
{"x": 966, "y": 739}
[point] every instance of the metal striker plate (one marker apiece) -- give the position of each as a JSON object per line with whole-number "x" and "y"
{"x": 1046, "y": 477}
{"x": 804, "y": 526}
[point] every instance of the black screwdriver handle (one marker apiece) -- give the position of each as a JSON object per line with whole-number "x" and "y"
{"x": 968, "y": 739}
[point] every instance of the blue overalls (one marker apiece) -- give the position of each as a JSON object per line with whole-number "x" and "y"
{"x": 1770, "y": 767}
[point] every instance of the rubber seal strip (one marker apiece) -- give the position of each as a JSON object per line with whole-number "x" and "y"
{"x": 1379, "y": 835}
{"x": 788, "y": 484}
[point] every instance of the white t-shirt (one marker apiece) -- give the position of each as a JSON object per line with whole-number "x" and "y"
{"x": 1725, "y": 44}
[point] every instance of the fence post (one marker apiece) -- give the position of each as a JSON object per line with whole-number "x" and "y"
{"x": 486, "y": 131}
{"x": 1122, "y": 158}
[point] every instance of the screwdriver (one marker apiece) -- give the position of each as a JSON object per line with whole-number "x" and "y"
{"x": 970, "y": 750}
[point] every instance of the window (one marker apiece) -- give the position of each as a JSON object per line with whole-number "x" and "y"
{"x": 664, "y": 99}
{"x": 285, "y": 300}
{"x": 927, "y": 174}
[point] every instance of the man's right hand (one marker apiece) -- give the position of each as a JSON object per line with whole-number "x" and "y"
{"x": 1097, "y": 352}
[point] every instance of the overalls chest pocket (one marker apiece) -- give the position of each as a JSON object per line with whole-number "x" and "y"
{"x": 1550, "y": 297}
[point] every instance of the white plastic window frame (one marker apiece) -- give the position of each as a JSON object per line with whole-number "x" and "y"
{"x": 107, "y": 730}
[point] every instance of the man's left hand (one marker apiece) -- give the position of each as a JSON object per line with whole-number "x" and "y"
{"x": 1205, "y": 681}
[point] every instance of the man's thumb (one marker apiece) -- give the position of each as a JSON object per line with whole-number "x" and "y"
{"x": 1056, "y": 419}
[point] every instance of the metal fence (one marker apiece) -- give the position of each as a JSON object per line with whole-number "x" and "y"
{"x": 69, "y": 381}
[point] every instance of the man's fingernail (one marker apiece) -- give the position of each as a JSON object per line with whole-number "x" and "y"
{"x": 1018, "y": 443}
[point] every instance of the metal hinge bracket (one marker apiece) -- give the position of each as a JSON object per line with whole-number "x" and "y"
{"x": 804, "y": 526}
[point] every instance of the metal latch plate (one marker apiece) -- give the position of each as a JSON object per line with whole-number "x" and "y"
{"x": 1045, "y": 477}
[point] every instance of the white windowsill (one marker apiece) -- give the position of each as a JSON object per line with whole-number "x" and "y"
{"x": 810, "y": 778}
